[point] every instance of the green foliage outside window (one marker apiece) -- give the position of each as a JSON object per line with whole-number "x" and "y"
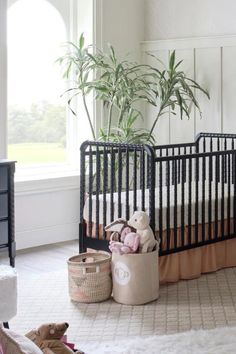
{"x": 44, "y": 123}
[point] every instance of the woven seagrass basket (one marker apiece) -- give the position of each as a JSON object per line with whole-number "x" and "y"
{"x": 90, "y": 277}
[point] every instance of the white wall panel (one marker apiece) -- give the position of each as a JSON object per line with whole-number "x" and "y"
{"x": 229, "y": 89}
{"x": 189, "y": 18}
{"x": 208, "y": 75}
{"x": 211, "y": 61}
{"x": 122, "y": 25}
{"x": 46, "y": 217}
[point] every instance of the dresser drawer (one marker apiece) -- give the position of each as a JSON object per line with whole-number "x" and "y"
{"x": 3, "y": 206}
{"x": 3, "y": 178}
{"x": 3, "y": 232}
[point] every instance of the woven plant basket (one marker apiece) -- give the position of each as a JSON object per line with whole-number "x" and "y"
{"x": 90, "y": 277}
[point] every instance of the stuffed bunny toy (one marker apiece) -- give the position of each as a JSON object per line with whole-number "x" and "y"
{"x": 140, "y": 221}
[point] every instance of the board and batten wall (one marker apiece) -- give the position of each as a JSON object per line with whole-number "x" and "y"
{"x": 165, "y": 19}
{"x": 211, "y": 62}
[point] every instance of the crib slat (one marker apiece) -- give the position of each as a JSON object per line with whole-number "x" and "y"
{"x": 179, "y": 162}
{"x": 196, "y": 199}
{"x": 232, "y": 147}
{"x": 222, "y": 195}
{"x": 119, "y": 181}
{"x": 234, "y": 181}
{"x": 185, "y": 172}
{"x": 228, "y": 199}
{"x": 203, "y": 195}
{"x": 127, "y": 186}
{"x": 90, "y": 190}
{"x": 175, "y": 203}
{"x": 135, "y": 180}
{"x": 218, "y": 162}
{"x": 142, "y": 172}
{"x": 225, "y": 161}
{"x": 216, "y": 195}
{"x": 182, "y": 201}
{"x": 211, "y": 145}
{"x": 160, "y": 201}
{"x": 190, "y": 200}
{"x": 168, "y": 205}
{"x": 204, "y": 144}
{"x": 172, "y": 168}
{"x": 210, "y": 196}
{"x": 98, "y": 171}
{"x": 82, "y": 224}
{"x": 112, "y": 183}
{"x": 105, "y": 172}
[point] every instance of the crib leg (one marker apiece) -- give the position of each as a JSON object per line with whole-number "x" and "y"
{"x": 82, "y": 233}
{"x": 6, "y": 325}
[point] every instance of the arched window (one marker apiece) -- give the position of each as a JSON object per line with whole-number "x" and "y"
{"x": 36, "y": 111}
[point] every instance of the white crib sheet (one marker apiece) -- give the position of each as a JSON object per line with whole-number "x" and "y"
{"x": 164, "y": 204}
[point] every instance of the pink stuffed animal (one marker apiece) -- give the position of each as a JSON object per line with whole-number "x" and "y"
{"x": 130, "y": 243}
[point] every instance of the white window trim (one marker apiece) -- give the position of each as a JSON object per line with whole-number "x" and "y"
{"x": 70, "y": 170}
{"x": 47, "y": 185}
{"x": 3, "y": 80}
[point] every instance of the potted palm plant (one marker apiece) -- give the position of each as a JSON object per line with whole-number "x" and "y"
{"x": 121, "y": 85}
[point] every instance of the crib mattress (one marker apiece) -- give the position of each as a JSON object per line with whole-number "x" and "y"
{"x": 224, "y": 198}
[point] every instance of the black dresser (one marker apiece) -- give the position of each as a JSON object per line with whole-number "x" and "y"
{"x": 7, "y": 230}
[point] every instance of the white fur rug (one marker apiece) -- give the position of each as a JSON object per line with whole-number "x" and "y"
{"x": 216, "y": 341}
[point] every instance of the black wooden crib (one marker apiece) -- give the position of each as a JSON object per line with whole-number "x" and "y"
{"x": 188, "y": 190}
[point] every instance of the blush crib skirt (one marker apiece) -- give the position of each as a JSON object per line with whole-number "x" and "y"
{"x": 192, "y": 263}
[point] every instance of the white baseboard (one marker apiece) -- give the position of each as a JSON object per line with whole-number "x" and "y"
{"x": 46, "y": 235}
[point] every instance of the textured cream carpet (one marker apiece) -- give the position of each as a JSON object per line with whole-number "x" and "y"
{"x": 204, "y": 303}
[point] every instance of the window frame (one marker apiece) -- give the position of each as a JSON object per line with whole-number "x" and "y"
{"x": 3, "y": 81}
{"x": 73, "y": 28}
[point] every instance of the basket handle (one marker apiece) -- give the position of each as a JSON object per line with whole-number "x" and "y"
{"x": 95, "y": 269}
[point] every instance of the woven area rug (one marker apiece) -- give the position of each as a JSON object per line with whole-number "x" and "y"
{"x": 216, "y": 341}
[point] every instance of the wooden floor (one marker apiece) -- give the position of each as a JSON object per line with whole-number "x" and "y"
{"x": 43, "y": 259}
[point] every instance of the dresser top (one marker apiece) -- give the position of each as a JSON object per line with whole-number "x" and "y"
{"x": 6, "y": 162}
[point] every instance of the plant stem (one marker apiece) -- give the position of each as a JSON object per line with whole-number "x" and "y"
{"x": 109, "y": 121}
{"x": 89, "y": 118}
{"x": 120, "y": 115}
{"x": 155, "y": 122}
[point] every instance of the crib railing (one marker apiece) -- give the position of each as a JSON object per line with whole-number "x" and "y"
{"x": 214, "y": 142}
{"x": 189, "y": 190}
{"x": 200, "y": 208}
{"x": 111, "y": 173}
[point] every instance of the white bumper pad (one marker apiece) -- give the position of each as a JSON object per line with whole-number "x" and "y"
{"x": 8, "y": 293}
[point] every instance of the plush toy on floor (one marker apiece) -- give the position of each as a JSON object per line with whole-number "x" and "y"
{"x": 140, "y": 221}
{"x": 48, "y": 338}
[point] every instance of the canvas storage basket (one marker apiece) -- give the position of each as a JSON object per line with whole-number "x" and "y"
{"x": 135, "y": 277}
{"x": 90, "y": 277}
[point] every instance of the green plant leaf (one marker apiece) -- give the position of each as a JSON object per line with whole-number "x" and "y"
{"x": 172, "y": 61}
{"x": 81, "y": 41}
